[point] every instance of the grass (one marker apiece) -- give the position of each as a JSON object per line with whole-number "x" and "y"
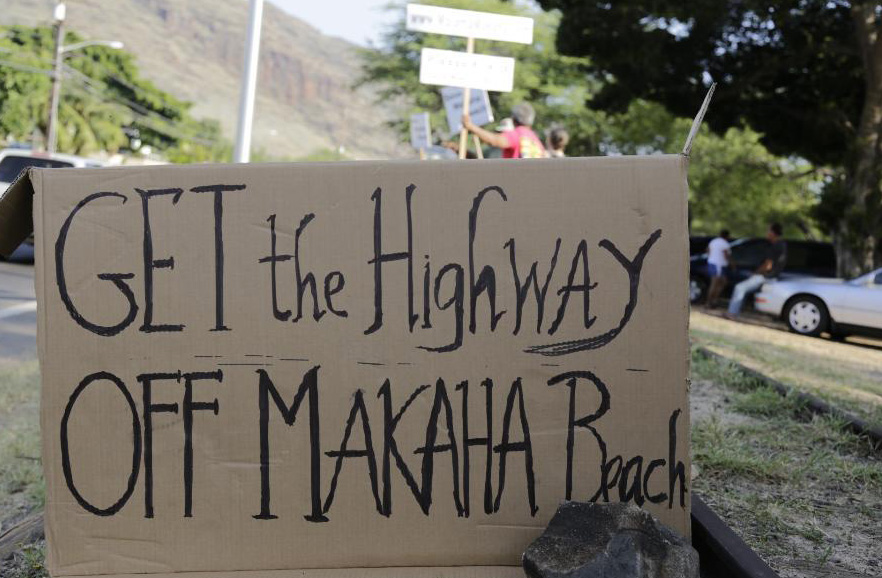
{"x": 798, "y": 488}
{"x": 848, "y": 376}
{"x": 21, "y": 479}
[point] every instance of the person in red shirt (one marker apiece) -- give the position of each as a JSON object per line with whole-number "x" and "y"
{"x": 520, "y": 143}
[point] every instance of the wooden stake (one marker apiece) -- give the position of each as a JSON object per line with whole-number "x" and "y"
{"x": 478, "y": 148}
{"x": 466, "y": 98}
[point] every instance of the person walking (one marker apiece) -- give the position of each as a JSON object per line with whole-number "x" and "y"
{"x": 519, "y": 143}
{"x": 718, "y": 255}
{"x": 770, "y": 268}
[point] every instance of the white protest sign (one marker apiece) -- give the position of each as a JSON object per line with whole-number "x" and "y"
{"x": 450, "y": 68}
{"x": 420, "y": 133}
{"x": 470, "y": 24}
{"x": 479, "y": 107}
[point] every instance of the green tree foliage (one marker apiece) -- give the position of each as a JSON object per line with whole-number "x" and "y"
{"x": 104, "y": 100}
{"x": 734, "y": 181}
{"x": 806, "y": 75}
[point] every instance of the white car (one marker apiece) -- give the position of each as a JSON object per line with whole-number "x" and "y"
{"x": 840, "y": 307}
{"x": 14, "y": 160}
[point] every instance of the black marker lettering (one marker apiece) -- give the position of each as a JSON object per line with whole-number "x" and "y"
{"x": 305, "y": 281}
{"x": 468, "y": 442}
{"x": 334, "y": 283}
{"x": 118, "y": 279}
{"x": 218, "y": 191}
{"x": 146, "y": 380}
{"x": 390, "y": 448}
{"x": 358, "y": 409}
{"x": 487, "y": 278}
{"x": 308, "y": 387}
{"x": 189, "y": 407}
{"x": 380, "y": 258}
{"x": 136, "y": 445}
{"x": 585, "y": 287}
{"x": 504, "y": 448}
{"x": 150, "y": 263}
{"x": 532, "y": 279}
{"x": 571, "y": 378}
{"x": 633, "y": 268}
{"x": 272, "y": 259}
{"x": 442, "y": 401}
{"x": 456, "y": 299}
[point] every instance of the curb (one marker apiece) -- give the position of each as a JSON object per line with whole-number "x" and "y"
{"x": 722, "y": 553}
{"x": 814, "y": 404}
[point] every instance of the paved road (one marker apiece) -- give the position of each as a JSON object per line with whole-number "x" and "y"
{"x": 18, "y": 312}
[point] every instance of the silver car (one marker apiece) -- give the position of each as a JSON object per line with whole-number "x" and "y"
{"x": 840, "y": 307}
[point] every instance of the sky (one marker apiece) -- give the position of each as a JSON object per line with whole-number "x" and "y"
{"x": 355, "y": 20}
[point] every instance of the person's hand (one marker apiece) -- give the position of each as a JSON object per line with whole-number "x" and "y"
{"x": 467, "y": 122}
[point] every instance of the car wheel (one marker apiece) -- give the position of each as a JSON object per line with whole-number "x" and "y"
{"x": 697, "y": 289}
{"x": 807, "y": 315}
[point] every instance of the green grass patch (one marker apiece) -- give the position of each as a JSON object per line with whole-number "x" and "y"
{"x": 21, "y": 477}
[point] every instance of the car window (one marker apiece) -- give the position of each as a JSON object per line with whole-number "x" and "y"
{"x": 798, "y": 256}
{"x": 750, "y": 254}
{"x": 878, "y": 280}
{"x": 11, "y": 166}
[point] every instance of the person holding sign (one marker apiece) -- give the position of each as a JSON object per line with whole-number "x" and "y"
{"x": 520, "y": 143}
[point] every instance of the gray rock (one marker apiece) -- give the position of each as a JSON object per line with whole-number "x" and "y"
{"x": 608, "y": 541}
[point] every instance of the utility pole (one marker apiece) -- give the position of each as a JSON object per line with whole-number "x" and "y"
{"x": 242, "y": 152}
{"x": 52, "y": 127}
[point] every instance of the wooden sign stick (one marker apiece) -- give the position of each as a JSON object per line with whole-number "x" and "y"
{"x": 466, "y": 101}
{"x": 478, "y": 148}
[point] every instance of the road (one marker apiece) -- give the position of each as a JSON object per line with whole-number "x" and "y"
{"x": 18, "y": 313}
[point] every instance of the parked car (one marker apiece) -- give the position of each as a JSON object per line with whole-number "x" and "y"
{"x": 804, "y": 258}
{"x": 811, "y": 306}
{"x": 13, "y": 161}
{"x": 698, "y": 244}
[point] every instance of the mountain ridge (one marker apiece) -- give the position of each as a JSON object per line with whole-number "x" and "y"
{"x": 195, "y": 51}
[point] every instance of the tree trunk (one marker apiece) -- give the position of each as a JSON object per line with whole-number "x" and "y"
{"x": 858, "y": 238}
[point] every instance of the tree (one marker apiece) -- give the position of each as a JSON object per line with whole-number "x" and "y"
{"x": 806, "y": 75}
{"x": 104, "y": 100}
{"x": 735, "y": 181}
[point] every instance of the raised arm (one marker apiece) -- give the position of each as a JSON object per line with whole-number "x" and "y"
{"x": 491, "y": 138}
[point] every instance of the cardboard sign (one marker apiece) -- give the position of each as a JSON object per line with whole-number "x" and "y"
{"x": 479, "y": 107}
{"x": 353, "y": 365}
{"x": 451, "y": 68}
{"x": 420, "y": 133}
{"x": 469, "y": 24}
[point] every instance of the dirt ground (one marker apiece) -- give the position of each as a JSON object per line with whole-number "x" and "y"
{"x": 801, "y": 492}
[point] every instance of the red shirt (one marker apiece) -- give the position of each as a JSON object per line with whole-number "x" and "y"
{"x": 523, "y": 144}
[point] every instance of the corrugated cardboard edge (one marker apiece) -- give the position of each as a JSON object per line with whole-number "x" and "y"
{"x": 385, "y": 572}
{"x": 16, "y": 208}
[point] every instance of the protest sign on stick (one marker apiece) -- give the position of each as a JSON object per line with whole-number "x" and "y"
{"x": 420, "y": 132}
{"x": 479, "y": 107}
{"x": 468, "y": 70}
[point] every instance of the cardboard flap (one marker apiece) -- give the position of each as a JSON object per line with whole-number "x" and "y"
{"x": 16, "y": 213}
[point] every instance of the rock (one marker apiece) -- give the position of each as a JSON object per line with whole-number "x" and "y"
{"x": 608, "y": 541}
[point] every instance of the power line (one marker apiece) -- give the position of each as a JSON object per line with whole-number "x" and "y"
{"x": 24, "y": 67}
